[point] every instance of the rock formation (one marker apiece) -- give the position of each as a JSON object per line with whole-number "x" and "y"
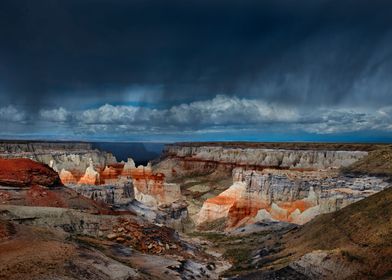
{"x": 44, "y": 225}
{"x": 351, "y": 243}
{"x": 91, "y": 176}
{"x": 286, "y": 183}
{"x": 180, "y": 160}
{"x": 148, "y": 187}
{"x": 29, "y": 183}
{"x": 24, "y": 173}
{"x": 151, "y": 188}
{"x": 119, "y": 192}
{"x": 266, "y": 219}
{"x": 285, "y": 195}
{"x": 69, "y": 158}
{"x": 78, "y": 164}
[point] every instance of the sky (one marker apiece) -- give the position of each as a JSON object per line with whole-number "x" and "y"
{"x": 141, "y": 70}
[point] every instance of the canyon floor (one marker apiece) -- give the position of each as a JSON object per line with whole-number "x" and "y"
{"x": 200, "y": 211}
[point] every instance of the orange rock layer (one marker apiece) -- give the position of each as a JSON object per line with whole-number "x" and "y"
{"x": 144, "y": 180}
{"x": 240, "y": 208}
{"x": 29, "y": 183}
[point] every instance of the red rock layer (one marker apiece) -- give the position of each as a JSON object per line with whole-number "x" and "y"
{"x": 290, "y": 207}
{"x": 20, "y": 173}
{"x": 110, "y": 173}
{"x": 29, "y": 183}
{"x": 240, "y": 208}
{"x": 143, "y": 178}
{"x": 149, "y": 183}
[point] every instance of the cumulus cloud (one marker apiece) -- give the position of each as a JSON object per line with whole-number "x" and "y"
{"x": 343, "y": 120}
{"x": 55, "y": 115}
{"x": 109, "y": 114}
{"x": 221, "y": 113}
{"x": 11, "y": 114}
{"x": 224, "y": 110}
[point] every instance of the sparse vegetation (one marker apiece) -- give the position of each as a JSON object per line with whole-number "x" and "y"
{"x": 218, "y": 225}
{"x": 238, "y": 249}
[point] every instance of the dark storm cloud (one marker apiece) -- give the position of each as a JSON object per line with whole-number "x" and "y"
{"x": 113, "y": 68}
{"x": 294, "y": 52}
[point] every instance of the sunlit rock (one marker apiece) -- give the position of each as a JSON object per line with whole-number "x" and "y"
{"x": 91, "y": 176}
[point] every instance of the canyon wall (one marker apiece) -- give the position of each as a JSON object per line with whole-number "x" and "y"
{"x": 182, "y": 160}
{"x": 69, "y": 159}
{"x": 116, "y": 193}
{"x": 281, "y": 182}
{"x": 285, "y": 195}
{"x": 292, "y": 185}
{"x": 108, "y": 184}
{"x": 82, "y": 167}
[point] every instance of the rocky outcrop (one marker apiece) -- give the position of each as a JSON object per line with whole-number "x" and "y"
{"x": 23, "y": 173}
{"x": 69, "y": 158}
{"x": 130, "y": 246}
{"x": 79, "y": 164}
{"x": 285, "y": 195}
{"x": 120, "y": 192}
{"x": 142, "y": 184}
{"x": 26, "y": 182}
{"x": 150, "y": 187}
{"x": 91, "y": 176}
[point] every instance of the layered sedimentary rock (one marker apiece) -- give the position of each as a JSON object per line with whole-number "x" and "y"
{"x": 69, "y": 159}
{"x": 284, "y": 181}
{"x": 91, "y": 176}
{"x": 285, "y": 195}
{"x": 36, "y": 237}
{"x": 24, "y": 173}
{"x": 150, "y": 187}
{"x": 79, "y": 164}
{"x": 27, "y": 182}
{"x": 352, "y": 243}
{"x": 183, "y": 160}
{"x": 120, "y": 191}
{"x": 147, "y": 186}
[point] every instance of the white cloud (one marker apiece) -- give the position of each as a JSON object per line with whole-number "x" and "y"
{"x": 222, "y": 113}
{"x": 55, "y": 115}
{"x": 346, "y": 120}
{"x": 221, "y": 110}
{"x": 11, "y": 114}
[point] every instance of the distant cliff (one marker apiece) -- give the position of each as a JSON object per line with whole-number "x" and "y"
{"x": 183, "y": 160}
{"x": 74, "y": 156}
{"x": 280, "y": 158}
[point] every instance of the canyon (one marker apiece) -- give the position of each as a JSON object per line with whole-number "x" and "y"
{"x": 201, "y": 190}
{"x": 269, "y": 182}
{"x": 47, "y": 229}
{"x": 78, "y": 164}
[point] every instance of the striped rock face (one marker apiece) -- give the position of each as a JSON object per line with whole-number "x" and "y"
{"x": 285, "y": 195}
{"x": 28, "y": 183}
{"x": 150, "y": 187}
